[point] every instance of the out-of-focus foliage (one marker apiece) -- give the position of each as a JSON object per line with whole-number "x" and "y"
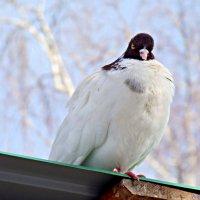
{"x": 47, "y": 47}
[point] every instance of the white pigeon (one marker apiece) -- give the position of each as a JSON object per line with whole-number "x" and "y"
{"x": 118, "y": 114}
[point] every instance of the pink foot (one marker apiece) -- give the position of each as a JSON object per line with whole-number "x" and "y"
{"x": 131, "y": 174}
{"x": 117, "y": 170}
{"x": 134, "y": 176}
{"x": 141, "y": 175}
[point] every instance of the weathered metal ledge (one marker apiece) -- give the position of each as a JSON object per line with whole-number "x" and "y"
{"x": 23, "y": 177}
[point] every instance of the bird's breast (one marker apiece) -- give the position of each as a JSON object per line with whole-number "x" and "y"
{"x": 140, "y": 113}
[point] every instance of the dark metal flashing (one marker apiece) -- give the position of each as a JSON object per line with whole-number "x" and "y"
{"x": 23, "y": 177}
{"x": 27, "y": 178}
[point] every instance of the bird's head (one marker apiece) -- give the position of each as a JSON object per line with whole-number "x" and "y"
{"x": 140, "y": 47}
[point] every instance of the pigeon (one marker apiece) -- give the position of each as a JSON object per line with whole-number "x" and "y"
{"x": 118, "y": 114}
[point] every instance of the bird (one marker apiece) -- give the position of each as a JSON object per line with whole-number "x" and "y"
{"x": 118, "y": 114}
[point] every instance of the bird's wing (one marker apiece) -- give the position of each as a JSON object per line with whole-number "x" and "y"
{"x": 81, "y": 132}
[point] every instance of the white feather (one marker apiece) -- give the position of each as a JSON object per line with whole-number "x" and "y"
{"x": 112, "y": 123}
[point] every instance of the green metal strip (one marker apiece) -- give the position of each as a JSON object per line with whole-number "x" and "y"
{"x": 177, "y": 185}
{"x": 64, "y": 164}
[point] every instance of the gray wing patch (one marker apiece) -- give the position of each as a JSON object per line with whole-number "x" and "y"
{"x": 135, "y": 86}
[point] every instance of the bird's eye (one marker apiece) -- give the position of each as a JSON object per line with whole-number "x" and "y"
{"x": 132, "y": 46}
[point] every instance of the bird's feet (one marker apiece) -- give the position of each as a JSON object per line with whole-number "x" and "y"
{"x": 117, "y": 170}
{"x": 131, "y": 174}
{"x": 134, "y": 176}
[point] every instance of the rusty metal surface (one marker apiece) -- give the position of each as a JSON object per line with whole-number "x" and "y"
{"x": 140, "y": 190}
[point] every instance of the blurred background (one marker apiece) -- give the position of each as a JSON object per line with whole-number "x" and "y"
{"x": 48, "y": 47}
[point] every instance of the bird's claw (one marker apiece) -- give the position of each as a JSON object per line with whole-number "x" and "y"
{"x": 131, "y": 174}
{"x": 134, "y": 176}
{"x": 117, "y": 170}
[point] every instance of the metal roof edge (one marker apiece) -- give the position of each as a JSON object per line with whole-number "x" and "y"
{"x": 171, "y": 184}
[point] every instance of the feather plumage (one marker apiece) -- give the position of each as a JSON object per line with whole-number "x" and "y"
{"x": 112, "y": 125}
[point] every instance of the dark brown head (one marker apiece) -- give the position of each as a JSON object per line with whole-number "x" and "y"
{"x": 140, "y": 47}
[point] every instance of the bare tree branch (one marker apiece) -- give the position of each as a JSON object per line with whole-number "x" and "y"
{"x": 45, "y": 38}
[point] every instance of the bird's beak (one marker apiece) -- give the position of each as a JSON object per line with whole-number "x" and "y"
{"x": 144, "y": 53}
